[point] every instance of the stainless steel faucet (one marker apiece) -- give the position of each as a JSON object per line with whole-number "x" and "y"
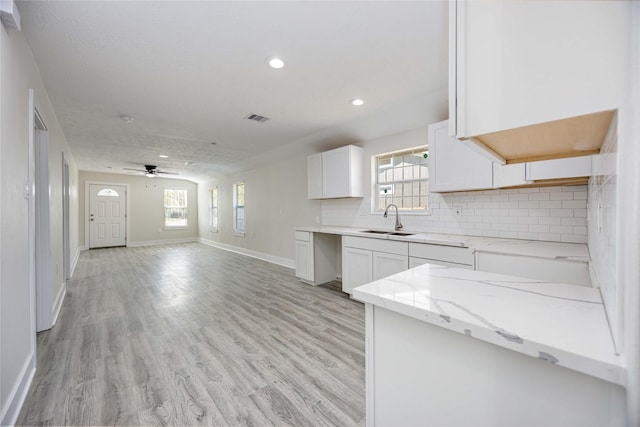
{"x": 398, "y": 225}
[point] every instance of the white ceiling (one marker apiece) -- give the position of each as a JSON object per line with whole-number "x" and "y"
{"x": 189, "y": 72}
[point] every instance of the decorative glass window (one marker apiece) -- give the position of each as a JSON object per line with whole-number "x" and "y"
{"x": 213, "y": 209}
{"x": 108, "y": 192}
{"x": 175, "y": 208}
{"x": 238, "y": 208}
{"x": 402, "y": 179}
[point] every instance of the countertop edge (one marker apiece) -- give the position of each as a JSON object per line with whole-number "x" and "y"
{"x": 511, "y": 246}
{"x": 604, "y": 370}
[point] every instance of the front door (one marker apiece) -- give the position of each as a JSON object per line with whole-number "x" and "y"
{"x": 107, "y": 215}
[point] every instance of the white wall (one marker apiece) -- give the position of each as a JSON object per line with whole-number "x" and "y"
{"x": 628, "y": 262}
{"x": 146, "y": 213}
{"x": 614, "y": 226}
{"x": 549, "y": 213}
{"x": 275, "y": 203}
{"x": 19, "y": 73}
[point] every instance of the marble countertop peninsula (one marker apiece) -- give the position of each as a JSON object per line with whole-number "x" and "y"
{"x": 561, "y": 324}
{"x": 535, "y": 248}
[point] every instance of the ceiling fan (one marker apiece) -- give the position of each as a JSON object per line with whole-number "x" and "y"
{"x": 151, "y": 171}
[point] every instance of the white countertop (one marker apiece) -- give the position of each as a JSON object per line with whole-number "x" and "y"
{"x": 559, "y": 323}
{"x": 534, "y": 248}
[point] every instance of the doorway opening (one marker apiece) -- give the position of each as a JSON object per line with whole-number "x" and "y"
{"x": 66, "y": 255}
{"x": 107, "y": 222}
{"x": 39, "y": 221}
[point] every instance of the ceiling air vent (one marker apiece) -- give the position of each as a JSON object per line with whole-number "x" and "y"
{"x": 257, "y": 118}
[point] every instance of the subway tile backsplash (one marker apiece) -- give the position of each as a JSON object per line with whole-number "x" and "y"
{"x": 557, "y": 214}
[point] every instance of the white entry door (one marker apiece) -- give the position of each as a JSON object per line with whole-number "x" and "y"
{"x": 107, "y": 215}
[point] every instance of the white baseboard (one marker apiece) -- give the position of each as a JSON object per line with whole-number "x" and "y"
{"x": 285, "y": 262}
{"x": 58, "y": 303}
{"x": 161, "y": 242}
{"x": 11, "y": 408}
{"x": 74, "y": 262}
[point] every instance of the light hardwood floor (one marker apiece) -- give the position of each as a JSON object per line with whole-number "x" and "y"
{"x": 193, "y": 335}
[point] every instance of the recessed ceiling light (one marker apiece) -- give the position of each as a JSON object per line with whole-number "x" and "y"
{"x": 126, "y": 118}
{"x": 163, "y": 156}
{"x": 274, "y": 62}
{"x": 357, "y": 102}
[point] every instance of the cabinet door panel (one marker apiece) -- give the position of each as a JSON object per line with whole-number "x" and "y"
{"x": 335, "y": 174}
{"x": 510, "y": 71}
{"x": 454, "y": 166}
{"x": 304, "y": 260}
{"x": 385, "y": 265}
{"x": 357, "y": 268}
{"x": 416, "y": 262}
{"x": 314, "y": 176}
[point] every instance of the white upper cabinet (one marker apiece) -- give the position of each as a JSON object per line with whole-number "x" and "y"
{"x": 314, "y": 176}
{"x": 453, "y": 166}
{"x": 336, "y": 173}
{"x": 518, "y": 63}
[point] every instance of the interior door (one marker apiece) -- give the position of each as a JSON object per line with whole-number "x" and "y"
{"x": 107, "y": 215}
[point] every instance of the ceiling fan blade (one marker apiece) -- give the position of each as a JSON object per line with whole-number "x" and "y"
{"x": 168, "y": 173}
{"x": 136, "y": 170}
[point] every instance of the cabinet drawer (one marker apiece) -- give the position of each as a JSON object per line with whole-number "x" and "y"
{"x": 544, "y": 269}
{"x": 559, "y": 168}
{"x": 441, "y": 253}
{"x": 415, "y": 262}
{"x": 378, "y": 245}
{"x": 303, "y": 236}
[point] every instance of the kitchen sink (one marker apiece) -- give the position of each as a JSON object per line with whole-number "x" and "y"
{"x": 389, "y": 233}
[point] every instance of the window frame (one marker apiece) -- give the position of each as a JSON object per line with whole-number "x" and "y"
{"x": 237, "y": 231}
{"x": 185, "y": 207}
{"x": 375, "y": 184}
{"x": 213, "y": 209}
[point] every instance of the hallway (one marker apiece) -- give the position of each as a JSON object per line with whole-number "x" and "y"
{"x": 188, "y": 334}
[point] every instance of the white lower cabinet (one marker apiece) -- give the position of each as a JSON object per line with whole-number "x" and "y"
{"x": 304, "y": 260}
{"x": 365, "y": 260}
{"x": 316, "y": 257}
{"x": 357, "y": 268}
{"x": 419, "y": 374}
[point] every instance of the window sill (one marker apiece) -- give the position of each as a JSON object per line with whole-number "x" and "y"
{"x": 213, "y": 230}
{"x": 238, "y": 233}
{"x": 175, "y": 228}
{"x": 393, "y": 213}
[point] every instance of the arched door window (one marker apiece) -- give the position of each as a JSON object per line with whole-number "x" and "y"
{"x": 108, "y": 192}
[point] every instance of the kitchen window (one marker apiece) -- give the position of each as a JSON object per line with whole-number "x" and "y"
{"x": 175, "y": 208}
{"x": 402, "y": 178}
{"x": 213, "y": 209}
{"x": 238, "y": 208}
